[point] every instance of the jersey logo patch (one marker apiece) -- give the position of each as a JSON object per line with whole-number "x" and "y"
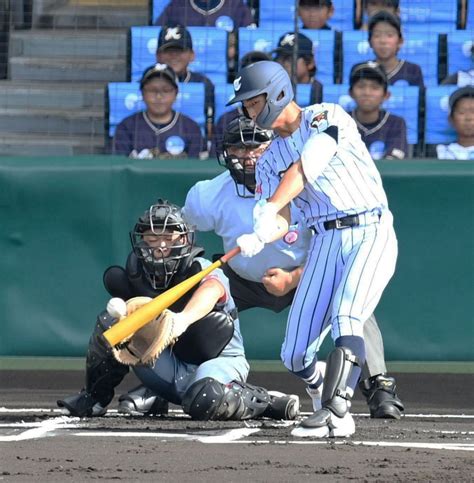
{"x": 291, "y": 237}
{"x": 320, "y": 121}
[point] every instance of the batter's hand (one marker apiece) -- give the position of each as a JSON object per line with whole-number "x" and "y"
{"x": 265, "y": 222}
{"x": 250, "y": 244}
{"x": 277, "y": 281}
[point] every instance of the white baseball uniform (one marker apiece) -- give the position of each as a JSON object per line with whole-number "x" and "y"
{"x": 347, "y": 269}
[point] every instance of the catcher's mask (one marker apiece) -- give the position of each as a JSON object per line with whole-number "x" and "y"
{"x": 162, "y": 241}
{"x": 242, "y": 144}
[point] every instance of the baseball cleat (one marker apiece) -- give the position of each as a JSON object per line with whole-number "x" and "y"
{"x": 283, "y": 406}
{"x": 141, "y": 401}
{"x": 325, "y": 424}
{"x": 381, "y": 397}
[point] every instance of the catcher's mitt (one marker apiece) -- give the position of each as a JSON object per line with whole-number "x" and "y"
{"x": 147, "y": 343}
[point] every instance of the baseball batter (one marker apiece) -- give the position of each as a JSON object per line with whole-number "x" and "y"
{"x": 319, "y": 162}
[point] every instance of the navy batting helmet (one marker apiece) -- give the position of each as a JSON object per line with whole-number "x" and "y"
{"x": 269, "y": 78}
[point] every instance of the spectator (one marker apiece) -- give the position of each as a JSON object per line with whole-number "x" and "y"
{"x": 159, "y": 131}
{"x": 226, "y": 14}
{"x": 461, "y": 117}
{"x": 305, "y": 62}
{"x": 249, "y": 58}
{"x": 175, "y": 48}
{"x": 315, "y": 14}
{"x": 385, "y": 38}
{"x": 383, "y": 133}
{"x": 369, "y": 8}
{"x": 462, "y": 78}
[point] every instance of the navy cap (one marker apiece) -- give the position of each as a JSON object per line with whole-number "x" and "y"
{"x": 176, "y": 37}
{"x": 467, "y": 91}
{"x": 159, "y": 70}
{"x": 315, "y": 3}
{"x": 286, "y": 44}
{"x": 368, "y": 70}
{"x": 384, "y": 16}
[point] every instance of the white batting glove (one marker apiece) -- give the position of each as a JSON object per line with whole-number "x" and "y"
{"x": 265, "y": 222}
{"x": 250, "y": 244}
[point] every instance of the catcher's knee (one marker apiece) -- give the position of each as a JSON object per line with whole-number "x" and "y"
{"x": 208, "y": 399}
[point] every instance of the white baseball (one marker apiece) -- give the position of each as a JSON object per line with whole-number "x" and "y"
{"x": 116, "y": 307}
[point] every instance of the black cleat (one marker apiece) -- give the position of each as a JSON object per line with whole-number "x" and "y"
{"x": 141, "y": 401}
{"x": 381, "y": 397}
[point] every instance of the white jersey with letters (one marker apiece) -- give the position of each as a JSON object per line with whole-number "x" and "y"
{"x": 213, "y": 205}
{"x": 348, "y": 268}
{"x": 455, "y": 151}
{"x": 350, "y": 183}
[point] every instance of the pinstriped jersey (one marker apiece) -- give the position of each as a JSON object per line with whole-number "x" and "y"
{"x": 342, "y": 183}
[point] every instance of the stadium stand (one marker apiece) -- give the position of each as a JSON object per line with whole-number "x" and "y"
{"x": 209, "y": 45}
{"x": 125, "y": 98}
{"x": 404, "y": 102}
{"x": 437, "y": 128}
{"x": 266, "y": 40}
{"x": 459, "y": 45}
{"x": 420, "y": 16}
{"x": 420, "y": 48}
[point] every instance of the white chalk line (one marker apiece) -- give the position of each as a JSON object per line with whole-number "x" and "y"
{"x": 115, "y": 413}
{"x": 42, "y": 430}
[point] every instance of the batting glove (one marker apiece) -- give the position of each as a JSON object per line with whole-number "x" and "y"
{"x": 250, "y": 244}
{"x": 265, "y": 222}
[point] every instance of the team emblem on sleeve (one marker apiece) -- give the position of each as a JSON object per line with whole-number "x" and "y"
{"x": 320, "y": 121}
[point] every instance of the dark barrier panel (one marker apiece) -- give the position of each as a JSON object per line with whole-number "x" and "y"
{"x": 66, "y": 219}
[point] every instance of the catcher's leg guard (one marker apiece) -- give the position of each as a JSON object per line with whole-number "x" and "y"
{"x": 334, "y": 418}
{"x": 381, "y": 397}
{"x": 103, "y": 374}
{"x": 142, "y": 401}
{"x": 208, "y": 399}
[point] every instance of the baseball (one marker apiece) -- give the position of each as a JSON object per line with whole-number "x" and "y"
{"x": 117, "y": 307}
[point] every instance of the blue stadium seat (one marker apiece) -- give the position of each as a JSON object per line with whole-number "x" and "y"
{"x": 459, "y": 50}
{"x": 421, "y": 49}
{"x": 279, "y": 15}
{"x": 437, "y": 127}
{"x": 403, "y": 102}
{"x": 429, "y": 15}
{"x": 125, "y": 99}
{"x": 209, "y": 45}
{"x": 266, "y": 40}
{"x": 303, "y": 94}
{"x": 470, "y": 16}
{"x": 223, "y": 94}
{"x": 157, "y": 7}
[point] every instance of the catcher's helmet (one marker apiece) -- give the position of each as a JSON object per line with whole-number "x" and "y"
{"x": 264, "y": 77}
{"x": 163, "y": 242}
{"x": 242, "y": 133}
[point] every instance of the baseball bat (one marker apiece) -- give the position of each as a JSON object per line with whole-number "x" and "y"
{"x": 127, "y": 326}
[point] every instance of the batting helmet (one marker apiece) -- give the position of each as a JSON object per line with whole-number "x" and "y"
{"x": 242, "y": 133}
{"x": 162, "y": 241}
{"x": 265, "y": 77}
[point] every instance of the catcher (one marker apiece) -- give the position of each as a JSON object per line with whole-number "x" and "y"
{"x": 205, "y": 370}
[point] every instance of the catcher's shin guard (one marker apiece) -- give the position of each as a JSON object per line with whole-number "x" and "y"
{"x": 334, "y": 418}
{"x": 208, "y": 399}
{"x": 103, "y": 375}
{"x": 380, "y": 392}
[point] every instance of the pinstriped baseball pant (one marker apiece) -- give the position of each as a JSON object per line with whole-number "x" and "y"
{"x": 342, "y": 282}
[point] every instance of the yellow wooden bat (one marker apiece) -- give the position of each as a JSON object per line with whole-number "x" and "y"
{"x": 129, "y": 325}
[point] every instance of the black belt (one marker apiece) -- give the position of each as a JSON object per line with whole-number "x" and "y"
{"x": 339, "y": 223}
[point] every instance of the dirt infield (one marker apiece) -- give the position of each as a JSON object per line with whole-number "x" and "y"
{"x": 433, "y": 442}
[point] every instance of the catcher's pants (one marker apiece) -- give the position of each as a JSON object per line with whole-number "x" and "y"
{"x": 170, "y": 377}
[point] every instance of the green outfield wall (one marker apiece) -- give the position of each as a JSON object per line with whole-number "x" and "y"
{"x": 64, "y": 220}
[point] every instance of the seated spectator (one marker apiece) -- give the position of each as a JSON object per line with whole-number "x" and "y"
{"x": 461, "y": 117}
{"x": 385, "y": 38}
{"x": 384, "y": 134}
{"x": 221, "y": 124}
{"x": 315, "y": 14}
{"x": 305, "y": 62}
{"x": 159, "y": 131}
{"x": 368, "y": 8}
{"x": 462, "y": 78}
{"x": 175, "y": 48}
{"x": 226, "y": 14}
